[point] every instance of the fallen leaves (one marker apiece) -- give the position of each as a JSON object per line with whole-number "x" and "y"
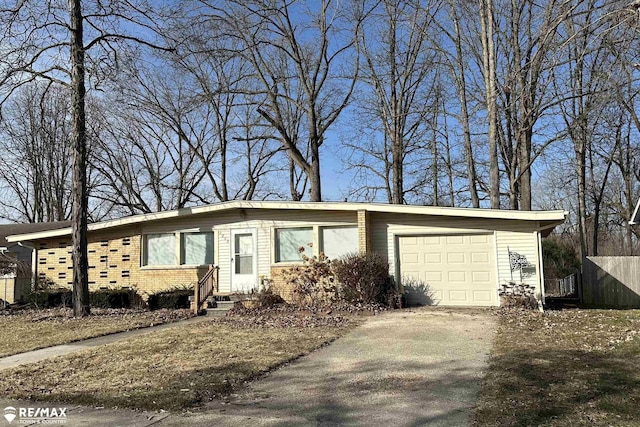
{"x": 563, "y": 367}
{"x": 25, "y": 330}
{"x": 172, "y": 368}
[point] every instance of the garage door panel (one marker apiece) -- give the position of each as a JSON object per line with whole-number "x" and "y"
{"x": 433, "y": 258}
{"x": 410, "y": 241}
{"x": 479, "y": 258}
{"x": 459, "y": 269}
{"x": 480, "y": 239}
{"x": 433, "y": 276}
{"x": 431, "y": 240}
{"x": 455, "y": 257}
{"x": 458, "y": 296}
{"x": 457, "y": 277}
{"x": 484, "y": 296}
{"x": 410, "y": 258}
{"x": 481, "y": 277}
{"x": 455, "y": 240}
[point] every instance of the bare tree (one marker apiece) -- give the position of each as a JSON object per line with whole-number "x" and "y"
{"x": 398, "y": 73}
{"x": 35, "y": 165}
{"x": 457, "y": 64}
{"x": 305, "y": 61}
{"x": 36, "y": 37}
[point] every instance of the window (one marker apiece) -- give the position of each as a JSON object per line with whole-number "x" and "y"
{"x": 290, "y": 240}
{"x": 196, "y": 248}
{"x": 243, "y": 253}
{"x": 339, "y": 241}
{"x": 160, "y": 249}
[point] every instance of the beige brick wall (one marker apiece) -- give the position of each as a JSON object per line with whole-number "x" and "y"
{"x": 279, "y": 286}
{"x": 364, "y": 231}
{"x": 7, "y": 288}
{"x": 114, "y": 262}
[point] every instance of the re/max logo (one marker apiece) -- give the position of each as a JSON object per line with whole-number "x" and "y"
{"x": 42, "y": 412}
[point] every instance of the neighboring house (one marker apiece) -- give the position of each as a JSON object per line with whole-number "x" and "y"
{"x": 464, "y": 255}
{"x": 14, "y": 285}
{"x": 635, "y": 218}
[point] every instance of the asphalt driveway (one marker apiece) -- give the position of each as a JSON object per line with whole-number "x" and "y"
{"x": 405, "y": 368}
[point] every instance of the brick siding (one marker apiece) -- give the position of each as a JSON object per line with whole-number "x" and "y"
{"x": 114, "y": 262}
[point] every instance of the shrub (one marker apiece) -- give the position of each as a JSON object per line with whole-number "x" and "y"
{"x": 559, "y": 258}
{"x": 266, "y": 298}
{"x": 103, "y": 298}
{"x": 177, "y": 297}
{"x": 312, "y": 282}
{"x": 416, "y": 292}
{"x": 363, "y": 278}
{"x": 114, "y": 298}
{"x": 50, "y": 298}
{"x": 46, "y": 284}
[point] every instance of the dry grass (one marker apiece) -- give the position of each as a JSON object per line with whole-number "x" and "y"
{"x": 33, "y": 329}
{"x": 564, "y": 368}
{"x": 170, "y": 369}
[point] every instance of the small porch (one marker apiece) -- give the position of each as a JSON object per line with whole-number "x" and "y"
{"x": 207, "y": 294}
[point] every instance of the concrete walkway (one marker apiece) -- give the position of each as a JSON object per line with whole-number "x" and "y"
{"x": 405, "y": 368}
{"x": 64, "y": 349}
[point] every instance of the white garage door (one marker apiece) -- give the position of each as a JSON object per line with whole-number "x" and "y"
{"x": 459, "y": 269}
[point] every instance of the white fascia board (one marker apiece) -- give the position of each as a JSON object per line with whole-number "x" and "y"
{"x": 555, "y": 217}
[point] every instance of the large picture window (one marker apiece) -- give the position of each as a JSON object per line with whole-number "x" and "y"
{"x": 196, "y": 248}
{"x": 339, "y": 241}
{"x": 290, "y": 240}
{"x": 160, "y": 249}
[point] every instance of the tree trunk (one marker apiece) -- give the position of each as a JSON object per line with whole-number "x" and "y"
{"x": 461, "y": 85}
{"x": 489, "y": 62}
{"x": 396, "y": 172}
{"x": 435, "y": 172}
{"x": 79, "y": 144}
{"x": 524, "y": 179}
{"x": 581, "y": 172}
{"x": 315, "y": 190}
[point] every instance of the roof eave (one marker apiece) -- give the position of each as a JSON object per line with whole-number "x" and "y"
{"x": 542, "y": 216}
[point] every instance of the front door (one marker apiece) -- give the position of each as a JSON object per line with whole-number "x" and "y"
{"x": 244, "y": 262}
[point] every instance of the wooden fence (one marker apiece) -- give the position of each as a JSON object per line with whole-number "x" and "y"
{"x": 611, "y": 281}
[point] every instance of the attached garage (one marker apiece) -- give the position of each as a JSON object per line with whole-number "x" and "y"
{"x": 460, "y": 269}
{"x": 463, "y": 257}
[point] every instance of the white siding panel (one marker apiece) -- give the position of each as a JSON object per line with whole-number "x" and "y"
{"x": 264, "y": 251}
{"x": 522, "y": 243}
{"x": 224, "y": 259}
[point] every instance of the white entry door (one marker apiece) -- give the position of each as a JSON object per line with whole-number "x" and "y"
{"x": 244, "y": 264}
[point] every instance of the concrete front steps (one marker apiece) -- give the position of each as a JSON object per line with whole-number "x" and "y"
{"x": 218, "y": 305}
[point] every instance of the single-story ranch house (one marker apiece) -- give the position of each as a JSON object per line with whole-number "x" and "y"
{"x": 464, "y": 255}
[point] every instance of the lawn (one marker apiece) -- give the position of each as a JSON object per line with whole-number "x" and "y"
{"x": 27, "y": 330}
{"x": 174, "y": 368}
{"x": 564, "y": 368}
